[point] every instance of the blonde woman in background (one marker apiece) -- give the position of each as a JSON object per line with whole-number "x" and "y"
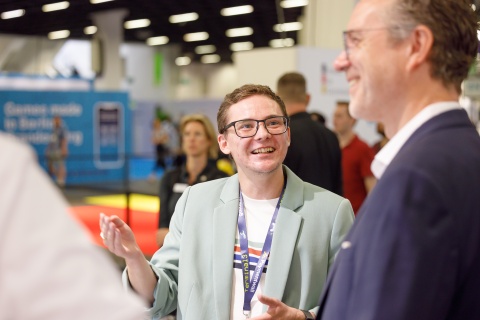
{"x": 199, "y": 144}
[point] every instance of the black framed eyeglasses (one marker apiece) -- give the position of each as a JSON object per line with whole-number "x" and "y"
{"x": 249, "y": 127}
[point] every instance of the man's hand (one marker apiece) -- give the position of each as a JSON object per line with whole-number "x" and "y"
{"x": 119, "y": 238}
{"x": 277, "y": 310}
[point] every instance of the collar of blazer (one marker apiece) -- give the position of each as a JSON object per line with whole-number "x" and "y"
{"x": 292, "y": 199}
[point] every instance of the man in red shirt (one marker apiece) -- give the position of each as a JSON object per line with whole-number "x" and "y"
{"x": 357, "y": 157}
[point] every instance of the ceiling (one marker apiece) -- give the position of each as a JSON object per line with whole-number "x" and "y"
{"x": 78, "y": 16}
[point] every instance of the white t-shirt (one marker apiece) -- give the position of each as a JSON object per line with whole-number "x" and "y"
{"x": 258, "y": 215}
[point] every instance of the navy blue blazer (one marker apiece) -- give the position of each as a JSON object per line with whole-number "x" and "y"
{"x": 414, "y": 249}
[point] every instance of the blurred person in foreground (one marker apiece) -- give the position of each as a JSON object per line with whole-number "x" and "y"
{"x": 414, "y": 250}
{"x": 50, "y": 268}
{"x": 257, "y": 244}
{"x": 201, "y": 151}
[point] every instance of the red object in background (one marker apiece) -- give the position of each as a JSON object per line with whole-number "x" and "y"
{"x": 144, "y": 224}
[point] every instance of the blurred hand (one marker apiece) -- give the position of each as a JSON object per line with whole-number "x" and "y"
{"x": 277, "y": 310}
{"x": 118, "y": 237}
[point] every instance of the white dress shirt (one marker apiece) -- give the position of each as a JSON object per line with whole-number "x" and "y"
{"x": 385, "y": 156}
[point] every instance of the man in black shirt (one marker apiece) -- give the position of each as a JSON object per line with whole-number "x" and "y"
{"x": 314, "y": 153}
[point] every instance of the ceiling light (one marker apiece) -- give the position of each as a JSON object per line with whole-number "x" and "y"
{"x": 134, "y": 24}
{"x": 210, "y": 58}
{"x": 293, "y": 3}
{"x": 196, "y": 36}
{"x": 289, "y": 26}
{"x": 55, "y": 6}
{"x": 179, "y": 18}
{"x": 280, "y": 43}
{"x": 12, "y": 14}
{"x": 239, "y": 32}
{"x": 90, "y": 30}
{"x": 205, "y": 49}
{"x": 183, "y": 61}
{"x": 61, "y": 34}
{"x": 156, "y": 41}
{"x": 99, "y": 1}
{"x": 474, "y": 7}
{"x": 232, "y": 11}
{"x": 241, "y": 46}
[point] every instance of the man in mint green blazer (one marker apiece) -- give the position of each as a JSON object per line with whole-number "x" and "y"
{"x": 257, "y": 244}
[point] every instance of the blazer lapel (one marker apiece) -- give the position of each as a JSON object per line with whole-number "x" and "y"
{"x": 283, "y": 246}
{"x": 285, "y": 236}
{"x": 224, "y": 229}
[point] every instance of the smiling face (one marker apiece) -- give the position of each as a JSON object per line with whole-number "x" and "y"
{"x": 375, "y": 66}
{"x": 262, "y": 153}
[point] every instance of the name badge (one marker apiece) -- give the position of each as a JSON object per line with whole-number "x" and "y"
{"x": 179, "y": 187}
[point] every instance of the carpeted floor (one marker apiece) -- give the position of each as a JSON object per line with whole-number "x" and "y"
{"x": 143, "y": 217}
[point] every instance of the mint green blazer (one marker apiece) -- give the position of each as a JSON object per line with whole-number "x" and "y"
{"x": 195, "y": 265}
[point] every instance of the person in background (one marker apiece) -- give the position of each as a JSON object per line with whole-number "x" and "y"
{"x": 377, "y": 146}
{"x": 257, "y": 244}
{"x": 414, "y": 251}
{"x": 173, "y": 144}
{"x": 160, "y": 139}
{"x": 57, "y": 152}
{"x": 318, "y": 117}
{"x": 314, "y": 154}
{"x": 201, "y": 151}
{"x": 358, "y": 179}
{"x": 50, "y": 269}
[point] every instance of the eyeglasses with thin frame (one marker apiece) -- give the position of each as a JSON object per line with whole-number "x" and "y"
{"x": 351, "y": 38}
{"x": 247, "y": 128}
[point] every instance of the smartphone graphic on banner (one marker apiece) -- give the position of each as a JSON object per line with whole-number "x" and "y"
{"x": 108, "y": 135}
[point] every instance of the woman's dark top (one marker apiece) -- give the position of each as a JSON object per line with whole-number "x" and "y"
{"x": 174, "y": 182}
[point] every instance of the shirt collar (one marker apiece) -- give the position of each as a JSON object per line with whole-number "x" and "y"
{"x": 385, "y": 156}
{"x": 202, "y": 177}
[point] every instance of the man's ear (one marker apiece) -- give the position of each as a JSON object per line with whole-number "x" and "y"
{"x": 222, "y": 144}
{"x": 421, "y": 43}
{"x": 307, "y": 99}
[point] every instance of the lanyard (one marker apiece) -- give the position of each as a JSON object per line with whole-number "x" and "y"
{"x": 251, "y": 285}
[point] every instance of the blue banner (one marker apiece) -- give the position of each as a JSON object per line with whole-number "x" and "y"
{"x": 97, "y": 124}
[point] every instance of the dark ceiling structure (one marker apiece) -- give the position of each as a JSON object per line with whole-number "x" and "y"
{"x": 266, "y": 14}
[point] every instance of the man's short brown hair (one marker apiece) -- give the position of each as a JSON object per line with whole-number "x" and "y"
{"x": 454, "y": 27}
{"x": 242, "y": 93}
{"x": 292, "y": 87}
